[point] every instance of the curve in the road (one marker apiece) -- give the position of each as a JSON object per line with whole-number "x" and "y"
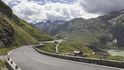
{"x": 29, "y": 59}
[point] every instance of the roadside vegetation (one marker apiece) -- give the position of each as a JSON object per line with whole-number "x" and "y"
{"x": 4, "y": 50}
{"x": 2, "y": 65}
{"x": 18, "y": 35}
{"x": 69, "y": 48}
{"x": 118, "y": 58}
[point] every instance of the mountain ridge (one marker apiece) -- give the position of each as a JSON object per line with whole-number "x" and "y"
{"x": 101, "y": 31}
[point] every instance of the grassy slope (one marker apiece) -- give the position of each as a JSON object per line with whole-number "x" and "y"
{"x": 24, "y": 34}
{"x": 79, "y": 32}
{"x": 69, "y": 47}
{"x": 4, "y": 51}
{"x": 2, "y": 65}
{"x": 119, "y": 58}
{"x": 85, "y": 32}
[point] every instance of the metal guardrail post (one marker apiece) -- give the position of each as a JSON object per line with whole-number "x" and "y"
{"x": 11, "y": 62}
{"x": 16, "y": 67}
{"x": 8, "y": 58}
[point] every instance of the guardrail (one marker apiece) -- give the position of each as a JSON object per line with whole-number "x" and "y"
{"x": 112, "y": 63}
{"x": 11, "y": 63}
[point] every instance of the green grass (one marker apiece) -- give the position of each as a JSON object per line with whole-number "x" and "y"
{"x": 78, "y": 36}
{"x": 26, "y": 34}
{"x": 69, "y": 47}
{"x": 2, "y": 65}
{"x": 50, "y": 47}
{"x": 118, "y": 58}
{"x": 40, "y": 36}
{"x": 4, "y": 51}
{"x": 22, "y": 37}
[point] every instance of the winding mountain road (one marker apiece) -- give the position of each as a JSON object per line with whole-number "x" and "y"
{"x": 29, "y": 59}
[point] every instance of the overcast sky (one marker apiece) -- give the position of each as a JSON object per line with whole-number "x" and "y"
{"x": 42, "y": 10}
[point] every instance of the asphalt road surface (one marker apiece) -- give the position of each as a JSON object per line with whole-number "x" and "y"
{"x": 29, "y": 59}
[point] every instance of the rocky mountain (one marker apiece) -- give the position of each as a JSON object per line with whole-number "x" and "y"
{"x": 15, "y": 31}
{"x": 49, "y": 26}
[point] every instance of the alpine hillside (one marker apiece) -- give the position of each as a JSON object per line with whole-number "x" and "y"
{"x": 15, "y": 31}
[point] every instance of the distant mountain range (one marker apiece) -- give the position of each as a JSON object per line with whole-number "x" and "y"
{"x": 105, "y": 31}
{"x": 49, "y": 26}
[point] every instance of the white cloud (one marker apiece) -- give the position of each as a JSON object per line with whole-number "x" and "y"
{"x": 102, "y": 6}
{"x": 40, "y": 10}
{"x": 29, "y": 11}
{"x": 32, "y": 11}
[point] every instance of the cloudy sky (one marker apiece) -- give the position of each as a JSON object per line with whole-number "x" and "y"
{"x": 42, "y": 10}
